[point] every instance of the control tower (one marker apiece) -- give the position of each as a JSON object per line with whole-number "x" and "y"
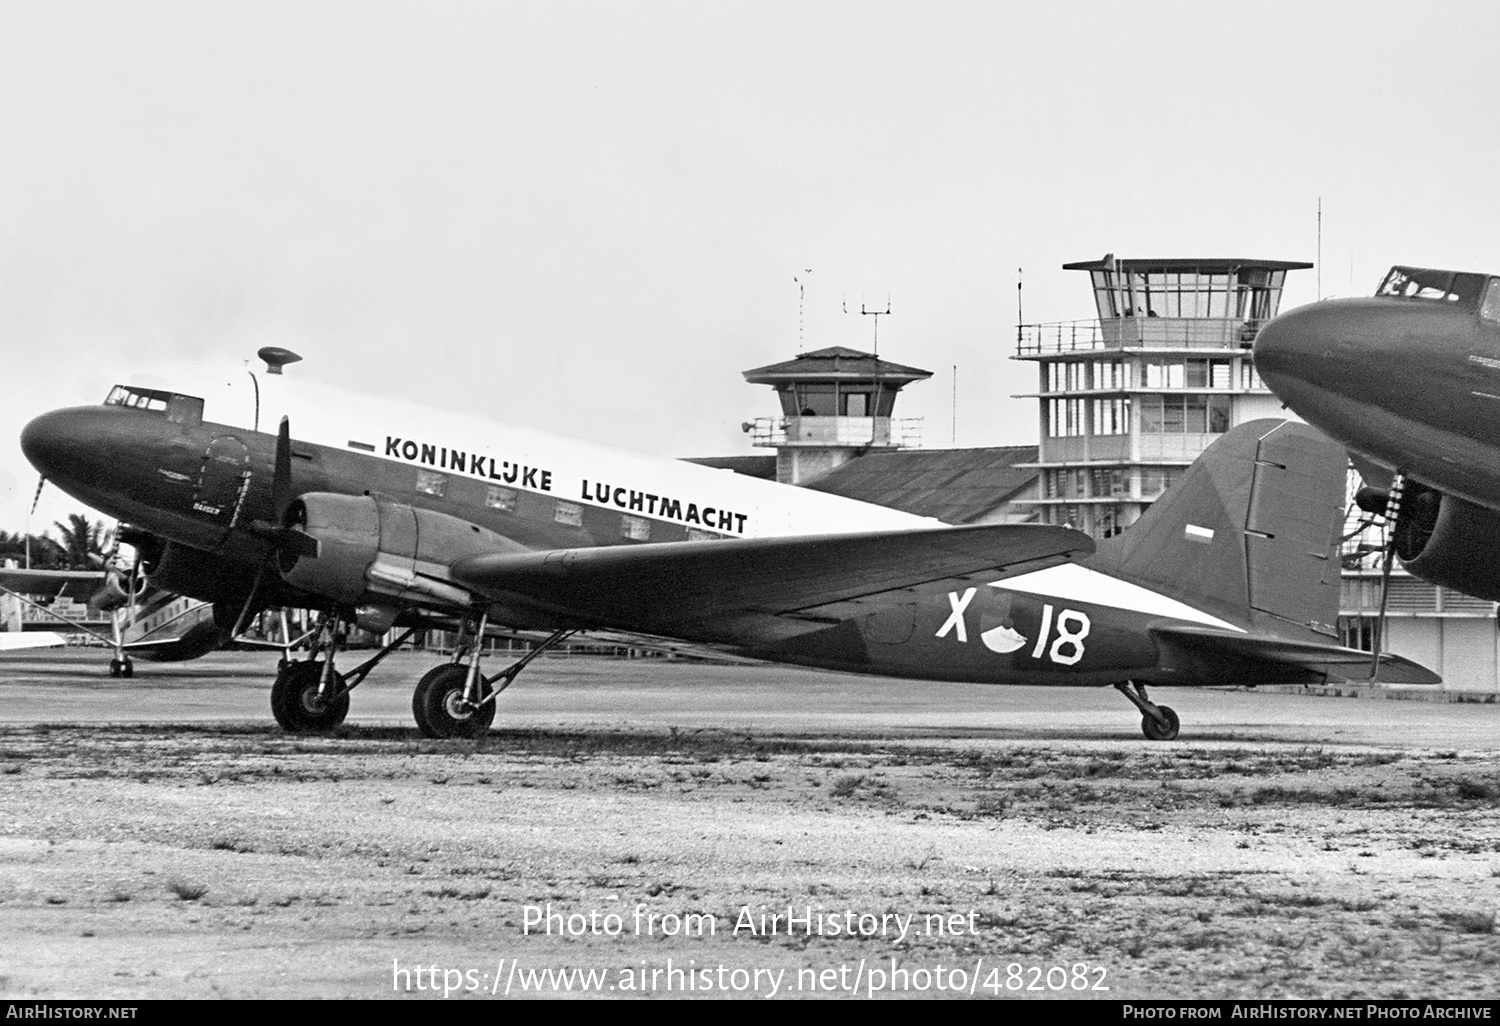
{"x": 836, "y": 404}
{"x": 1129, "y": 400}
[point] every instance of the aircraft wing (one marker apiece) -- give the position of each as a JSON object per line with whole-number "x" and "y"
{"x": 1346, "y": 663}
{"x": 699, "y": 589}
{"x": 76, "y": 584}
{"x": 10, "y": 641}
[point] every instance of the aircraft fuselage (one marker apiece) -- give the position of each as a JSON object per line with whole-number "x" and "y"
{"x": 1410, "y": 383}
{"x": 206, "y": 485}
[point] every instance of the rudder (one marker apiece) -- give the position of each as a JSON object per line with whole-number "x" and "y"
{"x": 1250, "y": 533}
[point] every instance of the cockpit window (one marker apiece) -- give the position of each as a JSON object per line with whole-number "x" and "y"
{"x": 1490, "y": 308}
{"x": 1425, "y": 283}
{"x": 137, "y": 398}
{"x": 180, "y": 409}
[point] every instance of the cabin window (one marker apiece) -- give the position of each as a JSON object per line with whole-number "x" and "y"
{"x": 503, "y": 499}
{"x": 635, "y": 528}
{"x": 429, "y": 482}
{"x": 569, "y": 513}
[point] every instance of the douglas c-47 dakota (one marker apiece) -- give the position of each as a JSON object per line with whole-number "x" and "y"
{"x": 391, "y": 516}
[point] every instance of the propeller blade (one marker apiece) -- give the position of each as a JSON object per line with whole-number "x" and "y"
{"x": 281, "y": 483}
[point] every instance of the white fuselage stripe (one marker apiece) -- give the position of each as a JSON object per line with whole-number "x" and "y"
{"x": 1074, "y": 583}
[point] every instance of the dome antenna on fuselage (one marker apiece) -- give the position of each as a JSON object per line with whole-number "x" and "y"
{"x": 276, "y": 358}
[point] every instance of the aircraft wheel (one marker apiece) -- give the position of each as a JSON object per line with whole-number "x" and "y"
{"x": 419, "y": 699}
{"x": 116, "y": 668}
{"x": 299, "y": 708}
{"x": 127, "y": 668}
{"x": 439, "y": 707}
{"x": 1156, "y": 731}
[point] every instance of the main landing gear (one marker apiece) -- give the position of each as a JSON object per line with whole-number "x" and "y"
{"x": 453, "y": 700}
{"x": 309, "y": 696}
{"x": 458, "y": 700}
{"x": 1158, "y": 722}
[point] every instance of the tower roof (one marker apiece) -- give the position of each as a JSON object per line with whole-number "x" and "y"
{"x": 1109, "y": 263}
{"x": 836, "y": 363}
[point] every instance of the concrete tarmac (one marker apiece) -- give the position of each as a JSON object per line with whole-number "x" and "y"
{"x": 160, "y": 837}
{"x": 73, "y": 686}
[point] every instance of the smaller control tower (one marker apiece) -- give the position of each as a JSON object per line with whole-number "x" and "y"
{"x": 836, "y": 404}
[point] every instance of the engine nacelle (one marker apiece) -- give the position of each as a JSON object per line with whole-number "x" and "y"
{"x": 198, "y": 574}
{"x": 116, "y": 591}
{"x": 1449, "y": 541}
{"x": 378, "y": 556}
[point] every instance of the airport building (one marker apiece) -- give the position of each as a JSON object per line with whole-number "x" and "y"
{"x": 1128, "y": 400}
{"x": 837, "y": 432}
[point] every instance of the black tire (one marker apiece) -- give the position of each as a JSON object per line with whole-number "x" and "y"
{"x": 127, "y": 669}
{"x": 296, "y": 704}
{"x": 439, "y": 708}
{"x": 1156, "y": 731}
{"x": 115, "y": 668}
{"x": 419, "y": 699}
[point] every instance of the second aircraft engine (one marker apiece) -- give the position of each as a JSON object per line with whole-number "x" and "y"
{"x": 1449, "y": 541}
{"x": 377, "y": 556}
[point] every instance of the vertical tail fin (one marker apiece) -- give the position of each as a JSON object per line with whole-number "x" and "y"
{"x": 1250, "y": 533}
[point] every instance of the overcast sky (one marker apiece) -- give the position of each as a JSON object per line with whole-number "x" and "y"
{"x": 587, "y": 217}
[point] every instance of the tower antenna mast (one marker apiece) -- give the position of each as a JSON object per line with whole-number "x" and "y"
{"x": 877, "y": 314}
{"x": 801, "y": 297}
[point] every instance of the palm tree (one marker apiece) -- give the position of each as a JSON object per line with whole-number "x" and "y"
{"x": 83, "y": 542}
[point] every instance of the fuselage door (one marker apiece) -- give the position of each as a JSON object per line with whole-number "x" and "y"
{"x": 223, "y": 481}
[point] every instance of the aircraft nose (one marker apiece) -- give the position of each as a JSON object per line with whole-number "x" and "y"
{"x": 59, "y": 443}
{"x": 1289, "y": 344}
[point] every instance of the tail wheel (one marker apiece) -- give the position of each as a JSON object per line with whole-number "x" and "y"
{"x": 1157, "y": 731}
{"x": 299, "y": 708}
{"x": 440, "y": 709}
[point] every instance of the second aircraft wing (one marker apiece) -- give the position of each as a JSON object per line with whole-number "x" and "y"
{"x": 708, "y": 589}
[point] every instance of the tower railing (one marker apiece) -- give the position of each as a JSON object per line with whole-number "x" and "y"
{"x": 1135, "y": 332}
{"x": 881, "y": 432}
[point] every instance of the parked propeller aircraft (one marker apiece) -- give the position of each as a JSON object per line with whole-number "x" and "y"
{"x": 1409, "y": 381}
{"x": 145, "y": 622}
{"x": 388, "y": 515}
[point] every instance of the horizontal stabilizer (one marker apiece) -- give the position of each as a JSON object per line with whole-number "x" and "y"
{"x": 12, "y": 640}
{"x": 660, "y": 588}
{"x": 1344, "y": 663}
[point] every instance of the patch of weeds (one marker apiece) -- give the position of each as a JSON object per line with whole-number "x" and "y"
{"x": 185, "y": 890}
{"x": 119, "y": 896}
{"x": 1476, "y": 789}
{"x": 229, "y": 844}
{"x": 1470, "y": 922}
{"x": 845, "y": 786}
{"x": 991, "y": 805}
{"x": 56, "y": 899}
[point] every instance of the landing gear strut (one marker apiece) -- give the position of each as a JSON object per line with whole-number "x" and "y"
{"x": 455, "y": 700}
{"x": 1158, "y": 722}
{"x": 311, "y": 697}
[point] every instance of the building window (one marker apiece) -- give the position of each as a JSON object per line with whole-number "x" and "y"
{"x": 1065, "y": 417}
{"x": 1107, "y": 483}
{"x": 1111, "y": 416}
{"x": 696, "y": 535}
{"x": 503, "y": 499}
{"x": 1183, "y": 414}
{"x": 430, "y": 482}
{"x": 635, "y": 528}
{"x": 569, "y": 513}
{"x": 1114, "y": 374}
{"x": 1155, "y": 480}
